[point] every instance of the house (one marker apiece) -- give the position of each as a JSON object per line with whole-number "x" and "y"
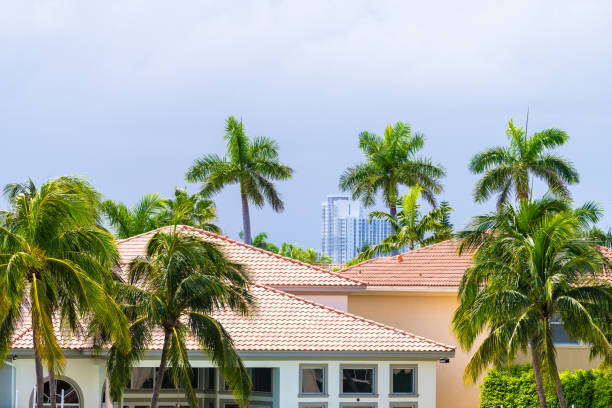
{"x": 418, "y": 290}
{"x": 302, "y": 347}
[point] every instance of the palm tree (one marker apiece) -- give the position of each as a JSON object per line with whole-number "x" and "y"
{"x": 507, "y": 169}
{"x": 410, "y": 227}
{"x": 248, "y": 163}
{"x": 55, "y": 263}
{"x": 532, "y": 265}
{"x": 180, "y": 282}
{"x": 600, "y": 237}
{"x": 197, "y": 211}
{"x": 261, "y": 241}
{"x": 390, "y": 162}
{"x": 308, "y": 255}
{"x": 143, "y": 217}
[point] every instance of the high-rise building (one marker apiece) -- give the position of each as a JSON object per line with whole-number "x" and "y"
{"x": 345, "y": 228}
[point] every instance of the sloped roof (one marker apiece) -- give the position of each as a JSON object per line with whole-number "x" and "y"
{"x": 284, "y": 322}
{"x": 437, "y": 265}
{"x": 266, "y": 268}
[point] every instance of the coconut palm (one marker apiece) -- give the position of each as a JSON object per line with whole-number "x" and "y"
{"x": 177, "y": 286}
{"x": 143, "y": 217}
{"x": 532, "y": 265}
{"x": 55, "y": 263}
{"x": 261, "y": 241}
{"x": 507, "y": 170}
{"x": 250, "y": 163}
{"x": 308, "y": 255}
{"x": 196, "y": 211}
{"x": 391, "y": 161}
{"x": 410, "y": 227}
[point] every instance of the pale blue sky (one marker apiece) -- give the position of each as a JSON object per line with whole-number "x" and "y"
{"x": 129, "y": 93}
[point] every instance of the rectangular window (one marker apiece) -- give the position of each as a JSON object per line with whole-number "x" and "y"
{"x": 210, "y": 374}
{"x": 559, "y": 334}
{"x": 313, "y": 405}
{"x": 313, "y": 379}
{"x": 168, "y": 384}
{"x": 358, "y": 380}
{"x": 404, "y": 379}
{"x": 142, "y": 378}
{"x": 262, "y": 379}
{"x": 358, "y": 405}
{"x": 403, "y": 405}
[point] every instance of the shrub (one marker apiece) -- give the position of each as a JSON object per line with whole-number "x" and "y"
{"x": 514, "y": 387}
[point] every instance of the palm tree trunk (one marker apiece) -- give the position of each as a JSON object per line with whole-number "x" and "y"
{"x": 107, "y": 398}
{"x": 160, "y": 371}
{"x": 246, "y": 219}
{"x": 559, "y": 388}
{"x": 39, "y": 374}
{"x": 393, "y": 214}
{"x": 537, "y": 371}
{"x": 52, "y": 389}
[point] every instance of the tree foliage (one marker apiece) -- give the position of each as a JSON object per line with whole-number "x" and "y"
{"x": 532, "y": 265}
{"x": 507, "y": 170}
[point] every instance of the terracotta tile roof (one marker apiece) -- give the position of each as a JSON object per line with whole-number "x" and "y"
{"x": 284, "y": 322}
{"x": 437, "y": 265}
{"x": 265, "y": 267}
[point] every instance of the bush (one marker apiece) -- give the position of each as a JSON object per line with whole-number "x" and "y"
{"x": 514, "y": 387}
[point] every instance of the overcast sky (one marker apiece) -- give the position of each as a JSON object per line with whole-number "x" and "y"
{"x": 129, "y": 93}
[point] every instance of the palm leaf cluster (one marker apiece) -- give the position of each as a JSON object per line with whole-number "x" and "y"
{"x": 152, "y": 212}
{"x": 55, "y": 263}
{"x": 172, "y": 292}
{"x": 392, "y": 161}
{"x": 532, "y": 265}
{"x": 252, "y": 163}
{"x": 411, "y": 228}
{"x": 507, "y": 170}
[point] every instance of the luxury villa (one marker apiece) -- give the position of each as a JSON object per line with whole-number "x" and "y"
{"x": 315, "y": 339}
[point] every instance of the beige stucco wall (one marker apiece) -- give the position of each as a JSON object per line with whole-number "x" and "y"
{"x": 430, "y": 315}
{"x": 426, "y": 315}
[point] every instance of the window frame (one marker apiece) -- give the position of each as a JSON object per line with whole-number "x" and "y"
{"x": 409, "y": 404}
{"x": 222, "y": 390}
{"x": 75, "y": 386}
{"x": 373, "y": 367}
{"x": 325, "y": 392}
{"x": 373, "y": 404}
{"x": 415, "y": 380}
{"x": 322, "y": 404}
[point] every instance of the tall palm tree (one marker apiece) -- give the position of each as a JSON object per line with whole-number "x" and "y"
{"x": 508, "y": 169}
{"x": 197, "y": 211}
{"x": 532, "y": 265}
{"x": 55, "y": 263}
{"x": 177, "y": 286}
{"x": 143, "y": 217}
{"x": 250, "y": 163}
{"x": 410, "y": 227}
{"x": 391, "y": 161}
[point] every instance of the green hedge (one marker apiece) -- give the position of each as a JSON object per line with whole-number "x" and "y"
{"x": 514, "y": 387}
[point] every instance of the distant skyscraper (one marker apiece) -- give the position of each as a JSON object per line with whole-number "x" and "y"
{"x": 345, "y": 228}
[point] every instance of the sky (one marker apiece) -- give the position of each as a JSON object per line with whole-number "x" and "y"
{"x": 128, "y": 93}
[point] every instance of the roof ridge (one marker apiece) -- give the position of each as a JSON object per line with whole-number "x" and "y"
{"x": 353, "y": 316}
{"x": 272, "y": 254}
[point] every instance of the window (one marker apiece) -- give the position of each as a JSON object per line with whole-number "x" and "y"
{"x": 260, "y": 377}
{"x": 63, "y": 386}
{"x": 559, "y": 334}
{"x": 142, "y": 378}
{"x": 313, "y": 405}
{"x": 358, "y": 405}
{"x": 404, "y": 379}
{"x": 210, "y": 374}
{"x": 313, "y": 379}
{"x": 403, "y": 405}
{"x": 357, "y": 380}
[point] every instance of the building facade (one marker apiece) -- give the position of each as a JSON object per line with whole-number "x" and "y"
{"x": 301, "y": 347}
{"x": 345, "y": 228}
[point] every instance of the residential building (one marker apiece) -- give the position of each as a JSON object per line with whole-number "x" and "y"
{"x": 301, "y": 346}
{"x": 418, "y": 290}
{"x": 345, "y": 228}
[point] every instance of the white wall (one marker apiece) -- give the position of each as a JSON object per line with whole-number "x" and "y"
{"x": 85, "y": 372}
{"x": 88, "y": 374}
